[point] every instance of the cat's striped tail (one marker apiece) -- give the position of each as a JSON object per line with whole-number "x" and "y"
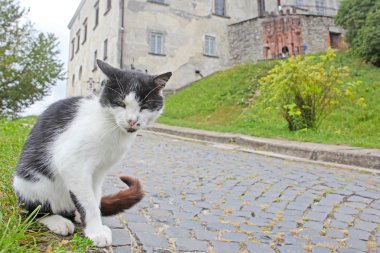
{"x": 117, "y": 203}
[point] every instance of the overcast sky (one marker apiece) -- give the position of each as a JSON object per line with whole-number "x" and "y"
{"x": 52, "y": 16}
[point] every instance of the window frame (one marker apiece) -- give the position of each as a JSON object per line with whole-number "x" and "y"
{"x": 209, "y": 46}
{"x": 105, "y": 49}
{"x": 224, "y": 14}
{"x": 85, "y": 27}
{"x": 72, "y": 48}
{"x": 108, "y": 6}
{"x": 96, "y": 6}
{"x": 153, "y": 36}
{"x": 78, "y": 41}
{"x": 320, "y": 7}
{"x": 95, "y": 66}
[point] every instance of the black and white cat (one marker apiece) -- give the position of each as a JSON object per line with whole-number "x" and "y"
{"x": 76, "y": 141}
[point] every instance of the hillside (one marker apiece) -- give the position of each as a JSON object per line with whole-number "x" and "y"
{"x": 225, "y": 102}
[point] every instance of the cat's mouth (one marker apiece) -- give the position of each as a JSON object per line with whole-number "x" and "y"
{"x": 131, "y": 130}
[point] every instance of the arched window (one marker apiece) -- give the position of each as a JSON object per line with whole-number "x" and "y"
{"x": 80, "y": 73}
{"x": 73, "y": 81}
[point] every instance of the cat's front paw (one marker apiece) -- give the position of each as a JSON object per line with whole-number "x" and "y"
{"x": 101, "y": 236}
{"x": 58, "y": 224}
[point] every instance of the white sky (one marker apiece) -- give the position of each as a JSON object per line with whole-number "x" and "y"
{"x": 52, "y": 16}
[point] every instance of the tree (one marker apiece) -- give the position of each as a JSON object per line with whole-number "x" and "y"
{"x": 29, "y": 63}
{"x": 360, "y": 19}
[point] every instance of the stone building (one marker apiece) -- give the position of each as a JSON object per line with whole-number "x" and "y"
{"x": 191, "y": 38}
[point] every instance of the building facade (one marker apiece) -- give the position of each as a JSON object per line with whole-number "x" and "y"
{"x": 192, "y": 38}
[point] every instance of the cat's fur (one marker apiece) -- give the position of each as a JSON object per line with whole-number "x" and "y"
{"x": 76, "y": 141}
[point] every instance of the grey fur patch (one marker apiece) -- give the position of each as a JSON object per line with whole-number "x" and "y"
{"x": 35, "y": 160}
{"x": 79, "y": 207}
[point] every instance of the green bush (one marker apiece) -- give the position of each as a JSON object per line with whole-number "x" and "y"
{"x": 306, "y": 89}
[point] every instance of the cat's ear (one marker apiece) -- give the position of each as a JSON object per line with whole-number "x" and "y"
{"x": 161, "y": 80}
{"x": 108, "y": 70}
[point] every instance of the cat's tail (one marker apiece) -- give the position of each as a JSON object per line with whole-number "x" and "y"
{"x": 117, "y": 203}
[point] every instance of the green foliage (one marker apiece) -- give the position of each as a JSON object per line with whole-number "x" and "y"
{"x": 19, "y": 232}
{"x": 29, "y": 62}
{"x": 210, "y": 104}
{"x": 361, "y": 19}
{"x": 306, "y": 89}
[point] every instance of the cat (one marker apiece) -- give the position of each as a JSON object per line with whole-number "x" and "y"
{"x": 74, "y": 143}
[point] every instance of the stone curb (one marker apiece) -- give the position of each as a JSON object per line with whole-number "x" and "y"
{"x": 339, "y": 154}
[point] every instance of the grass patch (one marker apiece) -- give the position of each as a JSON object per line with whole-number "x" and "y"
{"x": 225, "y": 102}
{"x": 18, "y": 231}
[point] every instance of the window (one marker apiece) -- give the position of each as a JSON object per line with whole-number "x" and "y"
{"x": 73, "y": 81}
{"x": 157, "y": 43}
{"x": 105, "y": 48}
{"x": 320, "y": 7}
{"x": 209, "y": 48}
{"x": 72, "y": 48}
{"x": 261, "y": 7}
{"x": 95, "y": 58}
{"x": 78, "y": 41}
{"x": 220, "y": 7}
{"x": 80, "y": 73}
{"x": 96, "y": 14}
{"x": 84, "y": 31}
{"x": 108, "y": 7}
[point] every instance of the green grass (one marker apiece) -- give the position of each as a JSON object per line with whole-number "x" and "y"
{"x": 225, "y": 102}
{"x": 18, "y": 231}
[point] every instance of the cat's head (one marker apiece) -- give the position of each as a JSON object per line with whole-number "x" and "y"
{"x": 133, "y": 99}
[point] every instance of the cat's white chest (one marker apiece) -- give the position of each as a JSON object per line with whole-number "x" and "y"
{"x": 90, "y": 141}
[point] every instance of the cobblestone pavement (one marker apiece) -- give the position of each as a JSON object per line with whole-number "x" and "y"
{"x": 204, "y": 198}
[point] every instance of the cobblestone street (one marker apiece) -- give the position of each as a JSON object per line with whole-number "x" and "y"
{"x": 206, "y": 198}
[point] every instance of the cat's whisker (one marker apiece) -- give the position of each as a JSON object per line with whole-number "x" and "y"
{"x": 150, "y": 92}
{"x": 114, "y": 90}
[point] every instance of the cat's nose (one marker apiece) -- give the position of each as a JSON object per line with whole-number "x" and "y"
{"x": 131, "y": 122}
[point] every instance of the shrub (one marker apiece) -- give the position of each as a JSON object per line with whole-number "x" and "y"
{"x": 306, "y": 89}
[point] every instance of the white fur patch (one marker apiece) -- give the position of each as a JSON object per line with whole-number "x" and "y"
{"x": 58, "y": 224}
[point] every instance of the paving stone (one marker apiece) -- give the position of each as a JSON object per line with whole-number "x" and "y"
{"x": 293, "y": 240}
{"x": 344, "y": 217}
{"x": 122, "y": 249}
{"x": 339, "y": 224}
{"x": 141, "y": 227}
{"x": 214, "y": 226}
{"x": 191, "y": 245}
{"x": 292, "y": 249}
{"x": 325, "y": 241}
{"x": 317, "y": 216}
{"x": 235, "y": 237}
{"x": 321, "y": 250}
{"x": 334, "y": 233}
{"x": 225, "y": 247}
{"x": 366, "y": 226}
{"x": 259, "y": 248}
{"x": 174, "y": 232}
{"x": 356, "y": 244}
{"x": 191, "y": 224}
{"x": 347, "y": 210}
{"x": 370, "y": 218}
{"x": 120, "y": 237}
{"x": 205, "y": 235}
{"x": 132, "y": 217}
{"x": 358, "y": 234}
{"x": 152, "y": 240}
{"x": 313, "y": 225}
{"x": 349, "y": 251}
{"x": 112, "y": 222}
{"x": 310, "y": 233}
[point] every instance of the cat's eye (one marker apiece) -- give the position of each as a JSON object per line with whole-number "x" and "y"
{"x": 121, "y": 104}
{"x": 143, "y": 107}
